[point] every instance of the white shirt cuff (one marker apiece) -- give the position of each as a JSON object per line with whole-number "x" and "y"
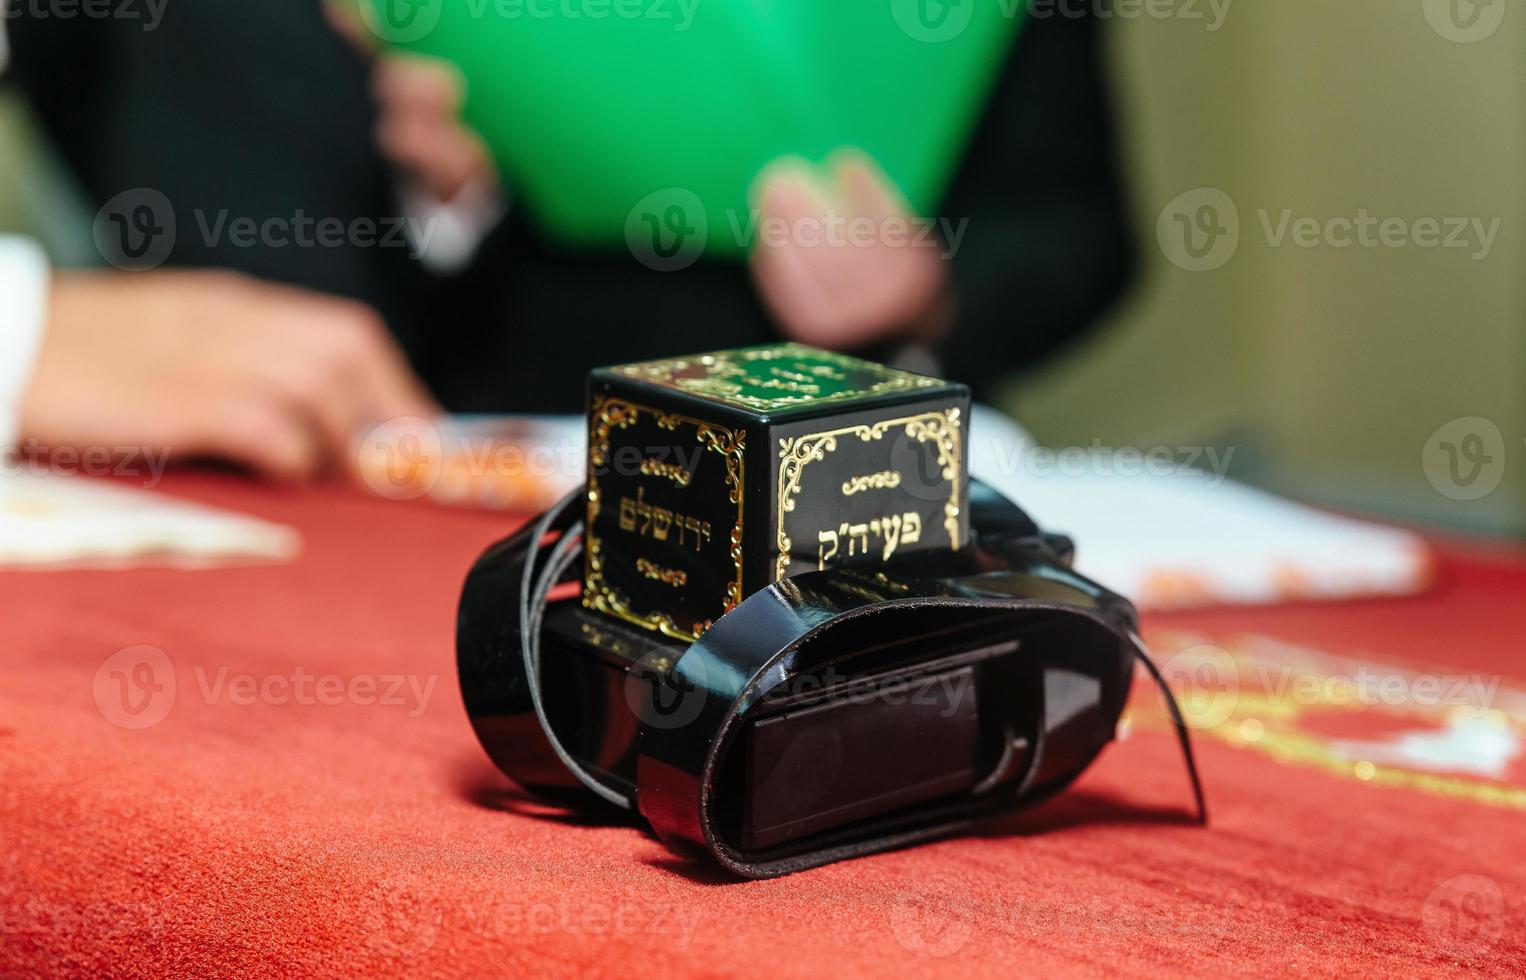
{"x": 444, "y": 235}
{"x": 23, "y": 314}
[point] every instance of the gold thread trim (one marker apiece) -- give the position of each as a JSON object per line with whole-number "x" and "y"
{"x": 1278, "y": 737}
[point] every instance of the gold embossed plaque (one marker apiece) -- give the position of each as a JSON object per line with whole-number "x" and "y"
{"x": 713, "y": 475}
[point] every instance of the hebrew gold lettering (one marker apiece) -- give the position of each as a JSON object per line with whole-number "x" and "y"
{"x": 641, "y": 518}
{"x": 643, "y": 510}
{"x": 884, "y": 480}
{"x": 700, "y": 529}
{"x": 890, "y": 532}
{"x": 668, "y": 471}
{"x": 672, "y": 576}
{"x": 911, "y": 527}
{"x": 822, "y": 554}
{"x": 858, "y": 538}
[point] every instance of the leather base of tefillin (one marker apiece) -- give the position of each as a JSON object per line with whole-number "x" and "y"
{"x": 829, "y": 714}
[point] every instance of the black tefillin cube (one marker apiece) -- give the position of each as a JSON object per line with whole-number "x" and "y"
{"x": 782, "y": 624}
{"x": 713, "y": 476}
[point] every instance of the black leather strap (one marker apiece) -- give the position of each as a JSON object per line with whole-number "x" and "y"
{"x": 1013, "y": 581}
{"x": 498, "y": 644}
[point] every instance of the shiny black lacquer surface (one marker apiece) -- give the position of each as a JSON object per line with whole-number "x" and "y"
{"x": 1028, "y": 665}
{"x": 713, "y": 476}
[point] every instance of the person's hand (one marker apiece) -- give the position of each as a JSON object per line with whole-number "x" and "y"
{"x": 419, "y": 100}
{"x": 213, "y": 364}
{"x": 838, "y": 260}
{"x": 420, "y": 130}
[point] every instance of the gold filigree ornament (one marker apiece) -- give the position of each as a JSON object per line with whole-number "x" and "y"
{"x": 939, "y": 427}
{"x": 610, "y": 415}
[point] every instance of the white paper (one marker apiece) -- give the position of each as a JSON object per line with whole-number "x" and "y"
{"x": 1187, "y": 539}
{"x": 59, "y": 521}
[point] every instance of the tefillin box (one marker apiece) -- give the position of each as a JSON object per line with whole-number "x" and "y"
{"x": 711, "y": 476}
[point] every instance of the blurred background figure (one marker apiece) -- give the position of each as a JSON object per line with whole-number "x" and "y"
{"x": 1325, "y": 205}
{"x": 267, "y": 112}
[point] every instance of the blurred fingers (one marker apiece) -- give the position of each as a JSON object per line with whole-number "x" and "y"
{"x": 794, "y": 292}
{"x": 837, "y": 262}
{"x": 330, "y": 362}
{"x": 420, "y": 129}
{"x": 440, "y": 154}
{"x": 865, "y": 188}
{"x": 260, "y": 433}
{"x": 344, "y": 18}
{"x": 410, "y": 84}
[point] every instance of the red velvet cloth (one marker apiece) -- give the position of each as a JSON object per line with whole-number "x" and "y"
{"x": 280, "y": 837}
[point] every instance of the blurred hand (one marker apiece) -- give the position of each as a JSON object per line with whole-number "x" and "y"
{"x": 837, "y": 260}
{"x": 213, "y": 364}
{"x": 420, "y": 130}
